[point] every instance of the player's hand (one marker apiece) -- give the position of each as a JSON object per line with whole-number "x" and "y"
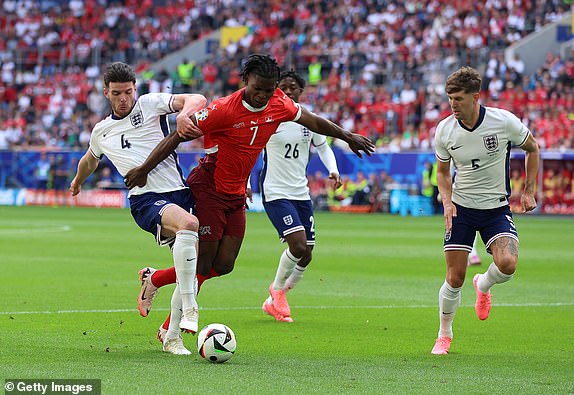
{"x": 528, "y": 202}
{"x": 75, "y": 187}
{"x": 135, "y": 178}
{"x": 449, "y": 212}
{"x": 249, "y": 194}
{"x": 337, "y": 182}
{"x": 186, "y": 128}
{"x": 358, "y": 143}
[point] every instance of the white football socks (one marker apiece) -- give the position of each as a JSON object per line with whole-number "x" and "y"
{"x": 492, "y": 276}
{"x": 173, "y": 330}
{"x": 295, "y": 276}
{"x": 287, "y": 263}
{"x": 185, "y": 262}
{"x": 448, "y": 301}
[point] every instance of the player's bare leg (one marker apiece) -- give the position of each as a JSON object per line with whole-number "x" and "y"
{"x": 206, "y": 257}
{"x": 505, "y": 255}
{"x": 227, "y": 252}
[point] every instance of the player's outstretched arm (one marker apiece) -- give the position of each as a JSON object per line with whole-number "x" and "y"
{"x": 137, "y": 177}
{"x": 86, "y": 166}
{"x": 188, "y": 105}
{"x": 531, "y": 163}
{"x": 444, "y": 182}
{"x": 356, "y": 142}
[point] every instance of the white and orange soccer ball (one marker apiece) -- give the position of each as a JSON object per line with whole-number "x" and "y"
{"x": 216, "y": 343}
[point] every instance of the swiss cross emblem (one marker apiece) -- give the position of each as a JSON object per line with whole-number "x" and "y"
{"x": 490, "y": 142}
{"x": 137, "y": 119}
{"x": 288, "y": 219}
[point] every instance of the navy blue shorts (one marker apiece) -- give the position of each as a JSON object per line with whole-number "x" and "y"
{"x": 148, "y": 208}
{"x": 289, "y": 216}
{"x": 491, "y": 224}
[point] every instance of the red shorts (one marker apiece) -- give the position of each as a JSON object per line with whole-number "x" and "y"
{"x": 219, "y": 214}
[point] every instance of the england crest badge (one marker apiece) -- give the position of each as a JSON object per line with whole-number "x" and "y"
{"x": 136, "y": 119}
{"x": 491, "y": 142}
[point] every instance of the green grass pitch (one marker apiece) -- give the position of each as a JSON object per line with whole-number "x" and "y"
{"x": 365, "y": 313}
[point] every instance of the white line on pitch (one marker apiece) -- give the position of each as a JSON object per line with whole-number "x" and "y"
{"x": 38, "y": 229}
{"x": 557, "y": 304}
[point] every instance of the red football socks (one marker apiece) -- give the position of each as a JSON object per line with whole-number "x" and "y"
{"x": 163, "y": 277}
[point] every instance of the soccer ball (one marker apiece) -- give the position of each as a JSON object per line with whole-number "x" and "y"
{"x": 216, "y": 343}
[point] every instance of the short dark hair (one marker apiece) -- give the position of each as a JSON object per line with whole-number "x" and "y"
{"x": 293, "y": 74}
{"x": 262, "y": 65}
{"x": 119, "y": 72}
{"x": 464, "y": 79}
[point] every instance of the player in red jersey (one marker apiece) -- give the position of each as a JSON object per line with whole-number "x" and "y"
{"x": 235, "y": 128}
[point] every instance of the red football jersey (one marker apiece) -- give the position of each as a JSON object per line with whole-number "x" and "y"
{"x": 238, "y": 132}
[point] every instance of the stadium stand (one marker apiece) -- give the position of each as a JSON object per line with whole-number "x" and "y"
{"x": 375, "y": 68}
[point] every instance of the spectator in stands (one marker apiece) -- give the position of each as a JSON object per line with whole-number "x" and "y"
{"x": 374, "y": 196}
{"x": 517, "y": 64}
{"x": 184, "y": 74}
{"x": 429, "y": 186}
{"x": 516, "y": 188}
{"x": 343, "y": 196}
{"x": 318, "y": 189}
{"x": 42, "y": 172}
{"x": 420, "y": 47}
{"x": 362, "y": 190}
{"x": 59, "y": 173}
{"x": 408, "y": 95}
{"x": 495, "y": 87}
{"x": 552, "y": 190}
{"x": 105, "y": 179}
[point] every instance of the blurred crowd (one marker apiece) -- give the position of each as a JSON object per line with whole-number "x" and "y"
{"x": 370, "y": 191}
{"x": 557, "y": 186}
{"x": 375, "y": 67}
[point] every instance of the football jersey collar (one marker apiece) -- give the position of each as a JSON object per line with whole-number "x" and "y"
{"x": 481, "y": 115}
{"x": 253, "y": 109}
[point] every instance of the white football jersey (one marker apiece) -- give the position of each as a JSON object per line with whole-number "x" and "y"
{"x": 128, "y": 141}
{"x": 285, "y": 159}
{"x": 481, "y": 156}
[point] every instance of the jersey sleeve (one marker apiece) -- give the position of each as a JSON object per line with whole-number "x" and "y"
{"x": 441, "y": 151}
{"x": 296, "y": 107}
{"x": 325, "y": 153}
{"x": 318, "y": 139}
{"x": 517, "y": 131}
{"x": 212, "y": 118}
{"x": 94, "y": 147}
